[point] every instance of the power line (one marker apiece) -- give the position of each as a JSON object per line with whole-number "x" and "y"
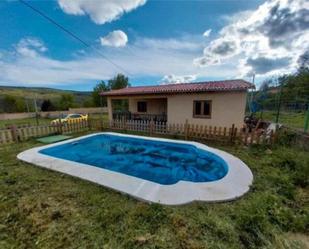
{"x": 72, "y": 34}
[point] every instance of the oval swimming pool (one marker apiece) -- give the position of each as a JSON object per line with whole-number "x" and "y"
{"x": 156, "y": 161}
{"x": 159, "y": 170}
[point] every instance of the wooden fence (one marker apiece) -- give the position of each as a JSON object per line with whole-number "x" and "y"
{"x": 190, "y": 131}
{"x": 186, "y": 131}
{"x": 19, "y": 134}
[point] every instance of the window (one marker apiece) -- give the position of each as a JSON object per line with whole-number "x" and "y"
{"x": 202, "y": 109}
{"x": 141, "y": 106}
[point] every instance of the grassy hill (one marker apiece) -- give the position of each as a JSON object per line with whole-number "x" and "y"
{"x": 28, "y": 94}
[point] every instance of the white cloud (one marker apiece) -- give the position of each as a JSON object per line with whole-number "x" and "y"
{"x": 115, "y": 38}
{"x": 238, "y": 16}
{"x": 263, "y": 65}
{"x": 207, "y": 33}
{"x": 30, "y": 47}
{"x": 206, "y": 60}
{"x": 183, "y": 43}
{"x": 144, "y": 58}
{"x": 265, "y": 41}
{"x": 101, "y": 11}
{"x": 177, "y": 79}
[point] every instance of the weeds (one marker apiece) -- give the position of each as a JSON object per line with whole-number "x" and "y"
{"x": 45, "y": 209}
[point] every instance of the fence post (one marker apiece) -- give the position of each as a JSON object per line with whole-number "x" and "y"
{"x": 101, "y": 124}
{"x": 232, "y": 133}
{"x": 59, "y": 126}
{"x": 13, "y": 130}
{"x": 186, "y": 128}
{"x": 89, "y": 123}
{"x": 123, "y": 123}
{"x": 151, "y": 126}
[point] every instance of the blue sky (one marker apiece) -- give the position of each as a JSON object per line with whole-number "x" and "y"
{"x": 154, "y": 42}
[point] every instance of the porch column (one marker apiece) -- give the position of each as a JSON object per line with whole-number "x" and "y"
{"x": 109, "y": 108}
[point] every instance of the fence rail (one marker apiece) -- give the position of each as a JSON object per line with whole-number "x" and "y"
{"x": 18, "y": 134}
{"x": 186, "y": 131}
{"x": 191, "y": 132}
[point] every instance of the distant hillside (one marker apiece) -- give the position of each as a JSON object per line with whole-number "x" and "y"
{"x": 41, "y": 93}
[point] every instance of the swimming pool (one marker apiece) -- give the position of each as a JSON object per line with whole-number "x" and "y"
{"x": 153, "y": 169}
{"x": 157, "y": 161}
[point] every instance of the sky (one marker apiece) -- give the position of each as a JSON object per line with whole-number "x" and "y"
{"x": 151, "y": 41}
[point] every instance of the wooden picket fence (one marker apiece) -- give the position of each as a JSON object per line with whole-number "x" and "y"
{"x": 190, "y": 131}
{"x": 19, "y": 134}
{"x": 185, "y": 131}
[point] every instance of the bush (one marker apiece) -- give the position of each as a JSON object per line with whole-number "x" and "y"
{"x": 47, "y": 106}
{"x": 286, "y": 137}
{"x": 13, "y": 104}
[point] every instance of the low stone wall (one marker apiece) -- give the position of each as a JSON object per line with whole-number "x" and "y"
{"x": 54, "y": 114}
{"x": 7, "y": 116}
{"x": 88, "y": 110}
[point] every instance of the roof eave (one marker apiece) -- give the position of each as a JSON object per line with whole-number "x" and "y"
{"x": 110, "y": 94}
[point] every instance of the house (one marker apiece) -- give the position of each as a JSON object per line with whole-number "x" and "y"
{"x": 215, "y": 103}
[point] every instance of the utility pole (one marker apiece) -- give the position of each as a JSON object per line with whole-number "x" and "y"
{"x": 27, "y": 104}
{"x": 279, "y": 102}
{"x": 36, "y": 111}
{"x": 307, "y": 119}
{"x": 252, "y": 92}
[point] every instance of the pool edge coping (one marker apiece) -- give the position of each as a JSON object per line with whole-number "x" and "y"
{"x": 233, "y": 185}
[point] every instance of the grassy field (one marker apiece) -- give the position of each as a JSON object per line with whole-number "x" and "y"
{"x": 24, "y": 121}
{"x": 46, "y": 209}
{"x": 42, "y": 121}
{"x": 290, "y": 119}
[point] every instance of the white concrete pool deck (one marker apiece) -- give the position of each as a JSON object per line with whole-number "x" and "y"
{"x": 235, "y": 184}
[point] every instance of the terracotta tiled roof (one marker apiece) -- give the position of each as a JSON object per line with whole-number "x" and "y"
{"x": 210, "y": 86}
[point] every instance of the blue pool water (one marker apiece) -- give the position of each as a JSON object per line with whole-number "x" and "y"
{"x": 156, "y": 161}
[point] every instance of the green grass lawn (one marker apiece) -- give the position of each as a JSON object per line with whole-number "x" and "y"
{"x": 103, "y": 116}
{"x": 42, "y": 121}
{"x": 24, "y": 121}
{"x": 290, "y": 119}
{"x": 45, "y": 209}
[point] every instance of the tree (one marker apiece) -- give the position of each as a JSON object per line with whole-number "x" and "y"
{"x": 47, "y": 106}
{"x": 13, "y": 104}
{"x": 303, "y": 61}
{"x": 295, "y": 86}
{"x": 118, "y": 82}
{"x": 88, "y": 102}
{"x": 97, "y": 99}
{"x": 66, "y": 101}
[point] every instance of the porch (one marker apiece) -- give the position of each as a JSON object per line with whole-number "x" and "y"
{"x": 137, "y": 108}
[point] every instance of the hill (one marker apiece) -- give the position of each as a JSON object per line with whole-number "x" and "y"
{"x": 28, "y": 94}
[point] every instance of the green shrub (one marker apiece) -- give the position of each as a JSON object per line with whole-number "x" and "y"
{"x": 286, "y": 137}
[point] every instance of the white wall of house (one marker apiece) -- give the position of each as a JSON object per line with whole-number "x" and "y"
{"x": 227, "y": 108}
{"x": 154, "y": 105}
